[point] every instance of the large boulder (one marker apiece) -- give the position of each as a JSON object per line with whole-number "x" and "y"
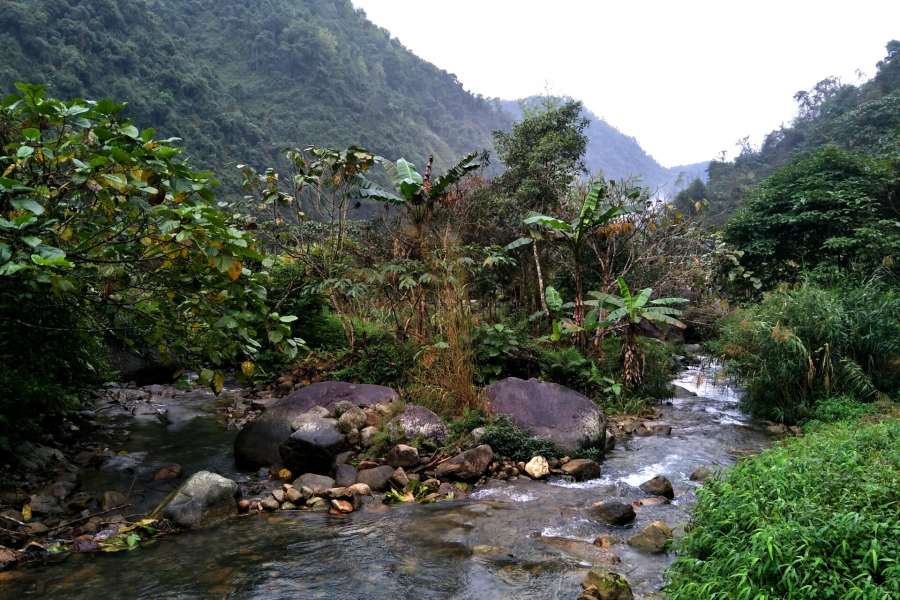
{"x": 313, "y": 446}
{"x": 415, "y": 422}
{"x": 257, "y": 444}
{"x": 468, "y": 465}
{"x": 570, "y": 419}
{"x": 659, "y": 486}
{"x": 156, "y": 367}
{"x": 202, "y": 500}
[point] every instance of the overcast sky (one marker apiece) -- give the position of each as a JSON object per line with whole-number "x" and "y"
{"x": 687, "y": 78}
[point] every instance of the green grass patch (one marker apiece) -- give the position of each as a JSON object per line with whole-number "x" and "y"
{"x": 814, "y": 518}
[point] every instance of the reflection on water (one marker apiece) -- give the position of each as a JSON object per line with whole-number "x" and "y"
{"x": 407, "y": 551}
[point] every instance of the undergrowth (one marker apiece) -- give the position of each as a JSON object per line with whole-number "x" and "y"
{"x": 814, "y": 518}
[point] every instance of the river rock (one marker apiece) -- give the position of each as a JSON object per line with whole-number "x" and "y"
{"x": 377, "y": 479}
{"x": 257, "y": 444}
{"x": 468, "y": 465}
{"x": 418, "y": 421}
{"x": 360, "y": 489}
{"x": 537, "y": 467}
{"x": 607, "y": 541}
{"x": 659, "y": 486}
{"x": 35, "y": 457}
{"x": 313, "y": 446}
{"x": 652, "y": 538}
{"x": 403, "y": 456}
{"x": 345, "y": 475}
{"x": 366, "y": 435}
{"x": 313, "y": 481}
{"x": 62, "y": 489}
{"x": 609, "y": 585}
{"x": 354, "y": 418}
{"x": 595, "y": 555}
{"x": 702, "y": 474}
{"x": 581, "y": 469}
{"x": 570, "y": 419}
{"x": 170, "y": 471}
{"x": 682, "y": 392}
{"x": 202, "y": 500}
{"x": 318, "y": 504}
{"x": 649, "y": 502}
{"x": 269, "y": 503}
{"x": 155, "y": 367}
{"x": 612, "y": 513}
{"x": 342, "y": 506}
{"x": 45, "y": 504}
{"x": 145, "y": 409}
{"x": 399, "y": 479}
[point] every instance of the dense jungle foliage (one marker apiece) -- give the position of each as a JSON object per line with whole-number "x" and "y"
{"x": 239, "y": 81}
{"x": 467, "y": 266}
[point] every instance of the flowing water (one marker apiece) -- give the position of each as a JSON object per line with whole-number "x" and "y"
{"x": 399, "y": 552}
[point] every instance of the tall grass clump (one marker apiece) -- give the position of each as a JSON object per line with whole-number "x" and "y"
{"x": 803, "y": 344}
{"x": 815, "y": 518}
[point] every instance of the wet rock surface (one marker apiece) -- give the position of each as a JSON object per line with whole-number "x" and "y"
{"x": 205, "y": 498}
{"x": 418, "y": 422}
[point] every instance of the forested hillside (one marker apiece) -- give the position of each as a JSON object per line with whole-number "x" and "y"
{"x": 619, "y": 155}
{"x": 861, "y": 119}
{"x": 240, "y": 80}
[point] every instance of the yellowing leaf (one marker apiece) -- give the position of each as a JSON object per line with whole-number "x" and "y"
{"x": 26, "y": 512}
{"x": 141, "y": 523}
{"x": 235, "y": 270}
{"x": 217, "y": 383}
{"x": 248, "y": 368}
{"x": 284, "y": 474}
{"x": 9, "y": 169}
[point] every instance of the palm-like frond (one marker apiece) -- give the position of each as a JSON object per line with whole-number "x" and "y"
{"x": 518, "y": 243}
{"x": 551, "y": 222}
{"x": 651, "y": 315}
{"x": 667, "y": 301}
{"x": 468, "y": 164}
{"x": 366, "y": 189}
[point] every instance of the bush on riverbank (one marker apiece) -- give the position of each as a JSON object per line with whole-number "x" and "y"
{"x": 799, "y": 346}
{"x": 813, "y": 518}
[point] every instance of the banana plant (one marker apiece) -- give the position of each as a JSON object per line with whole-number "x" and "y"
{"x": 592, "y": 215}
{"x": 417, "y": 194}
{"x": 632, "y": 309}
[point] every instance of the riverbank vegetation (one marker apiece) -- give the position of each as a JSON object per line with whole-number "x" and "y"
{"x": 814, "y": 517}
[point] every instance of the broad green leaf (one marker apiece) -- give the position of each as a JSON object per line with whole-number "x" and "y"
{"x": 553, "y": 299}
{"x": 28, "y": 204}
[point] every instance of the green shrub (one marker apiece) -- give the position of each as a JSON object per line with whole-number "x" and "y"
{"x": 815, "y": 518}
{"x": 289, "y": 285}
{"x": 42, "y": 366}
{"x": 799, "y": 346}
{"x": 510, "y": 442}
{"x": 841, "y": 408}
{"x": 381, "y": 360}
{"x": 495, "y": 346}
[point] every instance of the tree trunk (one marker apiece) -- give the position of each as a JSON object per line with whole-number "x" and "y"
{"x": 346, "y": 321}
{"x": 632, "y": 364}
{"x": 540, "y": 277}
{"x": 578, "y": 310}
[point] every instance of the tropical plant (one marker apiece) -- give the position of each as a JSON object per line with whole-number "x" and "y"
{"x": 416, "y": 193}
{"x": 419, "y": 197}
{"x": 590, "y": 216}
{"x": 798, "y": 347}
{"x": 107, "y": 222}
{"x": 309, "y": 214}
{"x": 631, "y": 311}
{"x": 494, "y": 345}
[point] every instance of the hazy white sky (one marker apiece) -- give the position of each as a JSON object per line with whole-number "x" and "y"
{"x": 687, "y": 78}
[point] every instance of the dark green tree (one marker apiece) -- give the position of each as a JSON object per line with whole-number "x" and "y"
{"x": 828, "y": 210}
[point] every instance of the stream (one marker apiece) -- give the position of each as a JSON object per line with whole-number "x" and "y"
{"x": 406, "y": 551}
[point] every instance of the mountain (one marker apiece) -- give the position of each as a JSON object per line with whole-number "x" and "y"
{"x": 619, "y": 155}
{"x": 240, "y": 80}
